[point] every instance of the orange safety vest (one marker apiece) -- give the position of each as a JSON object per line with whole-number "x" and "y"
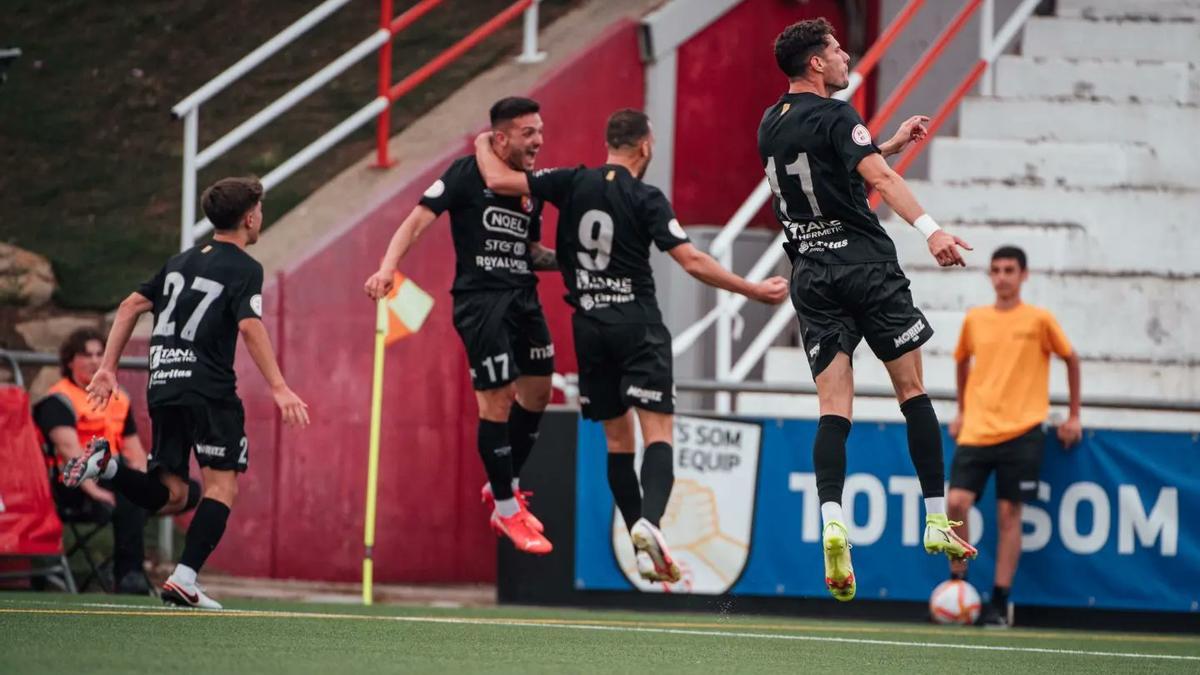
{"x": 89, "y": 422}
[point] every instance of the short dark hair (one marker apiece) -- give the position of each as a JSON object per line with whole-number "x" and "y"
{"x": 626, "y": 128}
{"x": 226, "y": 201}
{"x": 798, "y": 43}
{"x": 76, "y": 344}
{"x": 512, "y": 107}
{"x": 1010, "y": 253}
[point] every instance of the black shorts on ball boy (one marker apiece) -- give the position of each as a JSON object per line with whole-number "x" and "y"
{"x": 623, "y": 365}
{"x": 1017, "y": 463}
{"x": 841, "y": 304}
{"x": 505, "y": 335}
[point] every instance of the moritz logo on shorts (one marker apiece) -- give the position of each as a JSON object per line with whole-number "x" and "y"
{"x": 644, "y": 394}
{"x": 210, "y": 450}
{"x": 910, "y": 334}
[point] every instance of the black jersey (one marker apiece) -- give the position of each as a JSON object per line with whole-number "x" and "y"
{"x": 491, "y": 232}
{"x": 199, "y": 297}
{"x": 607, "y": 221}
{"x": 810, "y": 147}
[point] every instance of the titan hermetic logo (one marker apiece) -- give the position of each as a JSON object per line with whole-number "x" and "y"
{"x": 503, "y": 221}
{"x": 710, "y": 516}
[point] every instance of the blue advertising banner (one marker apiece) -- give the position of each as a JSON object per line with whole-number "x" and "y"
{"x": 1115, "y": 525}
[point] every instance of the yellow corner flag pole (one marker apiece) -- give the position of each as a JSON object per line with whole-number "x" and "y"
{"x": 381, "y": 330}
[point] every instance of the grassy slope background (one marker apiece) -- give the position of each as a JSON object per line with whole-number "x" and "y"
{"x": 90, "y": 157}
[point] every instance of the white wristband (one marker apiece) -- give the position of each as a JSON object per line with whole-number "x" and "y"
{"x": 926, "y": 225}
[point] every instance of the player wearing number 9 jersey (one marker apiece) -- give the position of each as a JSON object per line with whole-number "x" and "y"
{"x": 201, "y": 300}
{"x": 846, "y": 282}
{"x": 608, "y": 219}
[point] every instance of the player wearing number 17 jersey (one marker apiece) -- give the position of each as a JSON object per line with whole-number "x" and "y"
{"x": 201, "y": 300}
{"x": 608, "y": 219}
{"x": 846, "y": 282}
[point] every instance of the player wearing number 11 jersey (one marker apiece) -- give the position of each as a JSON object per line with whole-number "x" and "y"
{"x": 846, "y": 282}
{"x": 608, "y": 219}
{"x": 201, "y": 300}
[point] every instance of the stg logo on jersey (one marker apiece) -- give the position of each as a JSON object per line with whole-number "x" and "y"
{"x": 503, "y": 221}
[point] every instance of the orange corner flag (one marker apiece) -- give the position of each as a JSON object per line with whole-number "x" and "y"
{"x": 408, "y": 307}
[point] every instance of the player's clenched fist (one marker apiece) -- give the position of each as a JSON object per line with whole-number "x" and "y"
{"x": 378, "y": 284}
{"x": 771, "y": 291}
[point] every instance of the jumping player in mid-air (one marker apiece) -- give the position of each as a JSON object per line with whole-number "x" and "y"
{"x": 201, "y": 299}
{"x": 496, "y": 309}
{"x": 846, "y": 282}
{"x": 608, "y": 219}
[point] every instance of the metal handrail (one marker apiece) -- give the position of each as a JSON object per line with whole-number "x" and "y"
{"x": 379, "y": 108}
{"x": 800, "y": 388}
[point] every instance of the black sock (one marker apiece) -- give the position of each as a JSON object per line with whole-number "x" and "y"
{"x": 1000, "y": 598}
{"x": 925, "y": 445}
{"x": 829, "y": 457}
{"x": 658, "y": 477}
{"x": 496, "y": 454}
{"x": 141, "y": 488}
{"x": 522, "y": 433}
{"x": 623, "y": 482}
{"x": 204, "y": 533}
{"x": 128, "y": 523}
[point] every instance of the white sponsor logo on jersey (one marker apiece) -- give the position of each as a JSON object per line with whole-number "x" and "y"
{"x": 496, "y": 219}
{"x": 256, "y": 304}
{"x": 676, "y": 229}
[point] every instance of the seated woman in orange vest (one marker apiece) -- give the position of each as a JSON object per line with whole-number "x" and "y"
{"x": 68, "y": 423}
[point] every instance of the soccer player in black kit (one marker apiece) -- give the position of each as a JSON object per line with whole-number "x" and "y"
{"x": 201, "y": 300}
{"x": 846, "y": 282}
{"x": 496, "y": 309}
{"x": 608, "y": 219}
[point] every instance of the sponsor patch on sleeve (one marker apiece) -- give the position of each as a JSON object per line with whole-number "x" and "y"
{"x": 676, "y": 229}
{"x": 437, "y": 189}
{"x": 860, "y": 135}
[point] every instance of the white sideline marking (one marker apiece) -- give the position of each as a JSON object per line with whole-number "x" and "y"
{"x": 135, "y": 610}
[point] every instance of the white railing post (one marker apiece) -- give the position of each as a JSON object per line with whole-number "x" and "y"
{"x": 987, "y": 31}
{"x": 191, "y": 133}
{"x": 529, "y": 48}
{"x": 724, "y": 338}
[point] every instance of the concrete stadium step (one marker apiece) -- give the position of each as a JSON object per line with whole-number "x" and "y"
{"x": 1134, "y": 40}
{"x": 1060, "y": 247}
{"x": 1125, "y": 9}
{"x": 1167, "y": 128}
{"x": 1041, "y": 162}
{"x": 787, "y": 365}
{"x": 1126, "y": 317}
{"x": 1168, "y": 82}
{"x": 1113, "y": 216}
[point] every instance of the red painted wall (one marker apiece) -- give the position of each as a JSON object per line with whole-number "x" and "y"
{"x": 727, "y": 77}
{"x": 301, "y": 506}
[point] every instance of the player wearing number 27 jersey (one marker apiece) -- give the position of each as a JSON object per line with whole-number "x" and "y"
{"x": 846, "y": 282}
{"x": 201, "y": 300}
{"x": 608, "y": 219}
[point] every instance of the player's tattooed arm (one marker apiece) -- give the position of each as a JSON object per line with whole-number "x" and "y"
{"x": 544, "y": 259}
{"x": 912, "y": 130}
{"x": 499, "y": 177}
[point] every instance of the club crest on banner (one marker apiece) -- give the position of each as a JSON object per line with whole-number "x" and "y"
{"x": 710, "y": 515}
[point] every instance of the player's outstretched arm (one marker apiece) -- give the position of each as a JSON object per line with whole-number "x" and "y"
{"x": 379, "y": 284}
{"x": 104, "y": 382}
{"x": 254, "y": 333}
{"x": 913, "y": 130}
{"x": 943, "y": 245}
{"x": 705, "y": 268}
{"x": 499, "y": 177}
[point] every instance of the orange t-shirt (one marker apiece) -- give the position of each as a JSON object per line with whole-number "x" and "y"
{"x": 1008, "y": 388}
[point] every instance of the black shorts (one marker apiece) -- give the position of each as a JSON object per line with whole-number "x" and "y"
{"x": 623, "y": 365}
{"x": 215, "y": 430}
{"x": 505, "y": 334}
{"x": 1017, "y": 463}
{"x": 839, "y": 305}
